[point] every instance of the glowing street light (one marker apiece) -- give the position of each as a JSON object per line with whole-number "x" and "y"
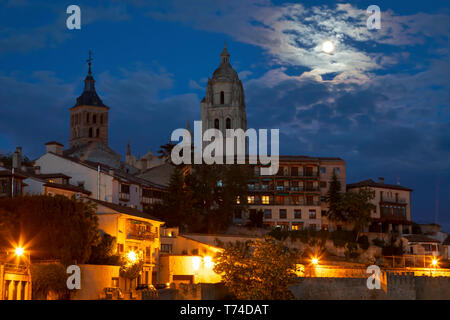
{"x": 19, "y": 251}
{"x": 208, "y": 262}
{"x": 315, "y": 261}
{"x": 132, "y": 256}
{"x": 434, "y": 262}
{"x": 196, "y": 263}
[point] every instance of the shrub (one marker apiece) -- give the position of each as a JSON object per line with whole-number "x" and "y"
{"x": 363, "y": 242}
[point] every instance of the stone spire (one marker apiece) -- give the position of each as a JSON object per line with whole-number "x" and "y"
{"x": 128, "y": 148}
{"x": 225, "y": 56}
{"x": 89, "y": 96}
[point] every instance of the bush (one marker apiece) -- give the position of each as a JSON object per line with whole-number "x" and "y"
{"x": 48, "y": 277}
{"x": 363, "y": 242}
{"x": 378, "y": 242}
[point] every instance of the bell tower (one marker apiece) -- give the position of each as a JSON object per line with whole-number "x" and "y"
{"x": 89, "y": 116}
{"x": 223, "y": 106}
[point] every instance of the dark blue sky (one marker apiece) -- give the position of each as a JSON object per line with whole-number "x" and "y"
{"x": 380, "y": 101}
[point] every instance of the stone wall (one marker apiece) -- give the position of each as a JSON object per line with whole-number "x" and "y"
{"x": 404, "y": 286}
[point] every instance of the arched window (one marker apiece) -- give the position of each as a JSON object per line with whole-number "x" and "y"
{"x": 94, "y": 118}
{"x": 222, "y": 97}
{"x": 228, "y": 124}
{"x": 97, "y": 133}
{"x": 87, "y": 117}
{"x": 216, "y": 124}
{"x": 90, "y": 132}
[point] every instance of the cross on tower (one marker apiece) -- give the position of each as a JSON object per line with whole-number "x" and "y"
{"x": 89, "y": 60}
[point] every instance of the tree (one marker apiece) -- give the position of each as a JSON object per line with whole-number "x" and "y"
{"x": 218, "y": 193}
{"x": 104, "y": 252}
{"x": 48, "y": 278}
{"x": 357, "y": 208}
{"x": 51, "y": 227}
{"x": 256, "y": 219}
{"x": 166, "y": 151}
{"x": 333, "y": 198}
{"x": 257, "y": 270}
{"x": 176, "y": 208}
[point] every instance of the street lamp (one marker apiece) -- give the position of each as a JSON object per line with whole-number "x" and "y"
{"x": 315, "y": 261}
{"x": 19, "y": 251}
{"x": 132, "y": 256}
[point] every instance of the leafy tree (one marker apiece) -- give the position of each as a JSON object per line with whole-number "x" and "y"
{"x": 104, "y": 252}
{"x": 218, "y": 192}
{"x": 48, "y": 278}
{"x": 166, "y": 151}
{"x": 357, "y": 208}
{"x": 51, "y": 227}
{"x": 256, "y": 219}
{"x": 176, "y": 208}
{"x": 333, "y": 198}
{"x": 257, "y": 270}
{"x": 131, "y": 271}
{"x": 7, "y": 160}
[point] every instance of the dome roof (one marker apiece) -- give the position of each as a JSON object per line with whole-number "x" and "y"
{"x": 225, "y": 71}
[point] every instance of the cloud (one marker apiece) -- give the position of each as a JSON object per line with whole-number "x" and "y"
{"x": 292, "y": 34}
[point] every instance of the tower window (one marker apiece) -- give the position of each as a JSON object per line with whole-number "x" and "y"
{"x": 216, "y": 123}
{"x": 101, "y": 119}
{"x": 87, "y": 117}
{"x": 228, "y": 124}
{"x": 97, "y": 133}
{"x": 222, "y": 97}
{"x": 94, "y": 118}
{"x": 90, "y": 132}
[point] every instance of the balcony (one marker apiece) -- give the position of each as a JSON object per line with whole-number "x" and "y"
{"x": 394, "y": 200}
{"x": 124, "y": 196}
{"x": 141, "y": 235}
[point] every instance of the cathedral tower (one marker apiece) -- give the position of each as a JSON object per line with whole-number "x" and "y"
{"x": 89, "y": 116}
{"x": 223, "y": 107}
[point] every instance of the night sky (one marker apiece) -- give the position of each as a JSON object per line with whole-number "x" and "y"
{"x": 380, "y": 101}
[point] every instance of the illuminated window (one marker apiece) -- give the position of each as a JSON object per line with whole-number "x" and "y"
{"x": 238, "y": 200}
{"x": 265, "y": 200}
{"x": 251, "y": 199}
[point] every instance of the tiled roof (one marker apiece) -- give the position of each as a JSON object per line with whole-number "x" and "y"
{"x": 67, "y": 187}
{"x": 371, "y": 183}
{"x": 126, "y": 210}
{"x": 420, "y": 238}
{"x": 446, "y": 241}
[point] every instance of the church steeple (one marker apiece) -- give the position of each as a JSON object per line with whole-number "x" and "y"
{"x": 225, "y": 56}
{"x": 89, "y": 116}
{"x": 89, "y": 96}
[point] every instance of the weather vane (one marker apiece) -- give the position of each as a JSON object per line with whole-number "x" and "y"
{"x": 89, "y": 60}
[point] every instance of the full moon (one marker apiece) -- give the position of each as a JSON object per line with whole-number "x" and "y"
{"x": 328, "y": 47}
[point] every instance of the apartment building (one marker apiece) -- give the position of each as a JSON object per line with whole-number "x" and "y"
{"x": 294, "y": 198}
{"x": 393, "y": 206}
{"x": 102, "y": 181}
{"x": 137, "y": 237}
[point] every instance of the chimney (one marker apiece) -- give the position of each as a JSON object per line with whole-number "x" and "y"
{"x": 16, "y": 160}
{"x": 37, "y": 170}
{"x": 143, "y": 163}
{"x": 54, "y": 147}
{"x": 380, "y": 180}
{"x": 19, "y": 151}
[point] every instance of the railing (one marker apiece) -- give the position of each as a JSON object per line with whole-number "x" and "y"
{"x": 281, "y": 188}
{"x": 285, "y": 203}
{"x": 141, "y": 235}
{"x": 394, "y": 200}
{"x": 124, "y": 196}
{"x": 409, "y": 260}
